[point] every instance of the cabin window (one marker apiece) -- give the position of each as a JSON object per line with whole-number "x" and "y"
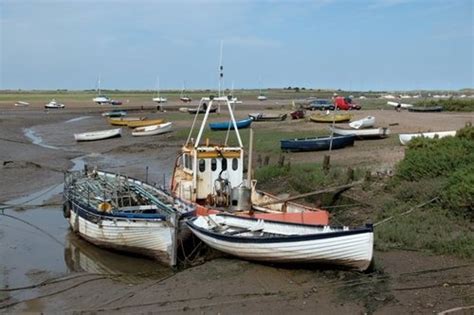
{"x": 235, "y": 164}
{"x": 224, "y": 164}
{"x": 202, "y": 165}
{"x": 188, "y": 162}
{"x": 213, "y": 165}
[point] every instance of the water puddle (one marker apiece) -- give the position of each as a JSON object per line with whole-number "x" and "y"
{"x": 31, "y": 134}
{"x": 77, "y": 119}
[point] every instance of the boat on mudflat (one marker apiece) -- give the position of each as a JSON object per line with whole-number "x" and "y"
{"x": 399, "y": 105}
{"x": 123, "y": 121}
{"x": 407, "y": 137}
{"x": 211, "y": 176}
{"x": 426, "y": 109}
{"x": 282, "y": 242}
{"x": 330, "y": 117}
{"x": 317, "y": 143}
{"x": 241, "y": 124}
{"x": 117, "y": 212}
{"x": 152, "y": 130}
{"x": 54, "y": 104}
{"x": 368, "y": 133}
{"x": 98, "y": 135}
{"x": 144, "y": 122}
{"x": 365, "y": 122}
{"x": 267, "y": 117}
{"x": 114, "y": 113}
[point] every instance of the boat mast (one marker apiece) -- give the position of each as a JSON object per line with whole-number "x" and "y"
{"x": 221, "y": 72}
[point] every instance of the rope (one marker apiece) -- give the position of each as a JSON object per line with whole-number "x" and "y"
{"x": 407, "y": 212}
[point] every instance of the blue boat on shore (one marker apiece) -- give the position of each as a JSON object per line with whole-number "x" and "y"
{"x": 317, "y": 143}
{"x": 241, "y": 124}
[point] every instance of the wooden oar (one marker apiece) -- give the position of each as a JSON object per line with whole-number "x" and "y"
{"x": 317, "y": 192}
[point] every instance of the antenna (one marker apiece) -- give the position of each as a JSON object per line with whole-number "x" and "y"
{"x": 221, "y": 71}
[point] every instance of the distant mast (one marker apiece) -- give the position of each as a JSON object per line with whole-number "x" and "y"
{"x": 221, "y": 72}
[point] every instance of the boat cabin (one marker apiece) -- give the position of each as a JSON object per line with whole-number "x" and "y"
{"x": 210, "y": 174}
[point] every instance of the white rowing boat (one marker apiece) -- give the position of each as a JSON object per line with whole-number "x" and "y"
{"x": 407, "y": 137}
{"x": 98, "y": 135}
{"x": 398, "y": 104}
{"x": 152, "y": 130}
{"x": 281, "y": 242}
{"x": 365, "y": 122}
{"x": 22, "y": 104}
{"x": 367, "y": 133}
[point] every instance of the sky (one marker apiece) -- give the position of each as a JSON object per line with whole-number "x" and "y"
{"x": 334, "y": 44}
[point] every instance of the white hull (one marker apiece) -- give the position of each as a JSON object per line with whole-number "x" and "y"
{"x": 262, "y": 98}
{"x": 54, "y": 104}
{"x": 152, "y": 130}
{"x": 145, "y": 237}
{"x": 407, "y": 137}
{"x": 98, "y": 135}
{"x": 402, "y": 105}
{"x": 21, "y": 104}
{"x": 304, "y": 244}
{"x": 362, "y": 133}
{"x": 160, "y": 100}
{"x": 366, "y": 122}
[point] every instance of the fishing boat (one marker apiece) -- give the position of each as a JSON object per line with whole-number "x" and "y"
{"x": 365, "y": 122}
{"x": 368, "y": 133}
{"x": 317, "y": 143}
{"x": 405, "y": 138}
{"x": 267, "y": 117}
{"x": 144, "y": 122}
{"x": 123, "y": 121}
{"x": 281, "y": 242}
{"x": 399, "y": 105}
{"x": 425, "y": 109}
{"x": 54, "y": 104}
{"x": 241, "y": 124}
{"x": 98, "y": 135}
{"x": 22, "y": 104}
{"x": 210, "y": 175}
{"x": 115, "y": 113}
{"x": 117, "y": 212}
{"x": 152, "y": 130}
{"x": 329, "y": 118}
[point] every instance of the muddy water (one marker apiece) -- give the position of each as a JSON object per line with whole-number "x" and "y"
{"x": 36, "y": 243}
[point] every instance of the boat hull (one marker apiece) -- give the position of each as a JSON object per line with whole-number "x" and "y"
{"x": 98, "y": 135}
{"x": 366, "y": 122}
{"x": 152, "y": 130}
{"x": 405, "y": 138}
{"x": 152, "y": 238}
{"x": 317, "y": 143}
{"x": 428, "y": 109}
{"x": 264, "y": 117}
{"x": 351, "y": 248}
{"x": 370, "y": 133}
{"x": 241, "y": 124}
{"x": 329, "y": 118}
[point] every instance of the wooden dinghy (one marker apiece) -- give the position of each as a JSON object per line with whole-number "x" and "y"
{"x": 365, "y": 122}
{"x": 267, "y": 117}
{"x": 282, "y": 242}
{"x": 125, "y": 214}
{"x": 241, "y": 124}
{"x": 22, "y": 104}
{"x": 405, "y": 138}
{"x": 329, "y": 118}
{"x": 145, "y": 122}
{"x": 426, "y": 109}
{"x": 123, "y": 121}
{"x": 369, "y": 133}
{"x": 98, "y": 135}
{"x": 317, "y": 143}
{"x": 152, "y": 130}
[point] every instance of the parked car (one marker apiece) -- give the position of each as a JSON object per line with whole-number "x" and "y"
{"x": 321, "y": 104}
{"x": 345, "y": 103}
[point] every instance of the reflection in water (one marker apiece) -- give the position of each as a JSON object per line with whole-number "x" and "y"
{"x": 81, "y": 256}
{"x": 31, "y": 134}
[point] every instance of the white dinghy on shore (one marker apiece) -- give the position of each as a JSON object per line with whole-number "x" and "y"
{"x": 152, "y": 130}
{"x": 283, "y": 242}
{"x": 98, "y": 135}
{"x": 22, "y": 104}
{"x": 368, "y": 133}
{"x": 398, "y": 104}
{"x": 365, "y": 122}
{"x": 407, "y": 137}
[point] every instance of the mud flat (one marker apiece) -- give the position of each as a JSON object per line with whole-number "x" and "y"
{"x": 37, "y": 246}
